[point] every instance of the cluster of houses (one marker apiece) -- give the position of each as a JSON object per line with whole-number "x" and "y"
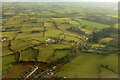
{"x": 35, "y": 71}
{"x": 83, "y": 38}
{"x": 49, "y": 73}
{"x": 84, "y": 47}
{"x": 29, "y": 72}
{"x": 53, "y": 40}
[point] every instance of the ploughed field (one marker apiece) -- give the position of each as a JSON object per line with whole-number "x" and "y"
{"x": 32, "y": 38}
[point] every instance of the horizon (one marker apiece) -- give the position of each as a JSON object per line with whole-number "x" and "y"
{"x": 60, "y": 0}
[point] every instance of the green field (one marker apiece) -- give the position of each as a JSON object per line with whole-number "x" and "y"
{"x": 49, "y": 50}
{"x": 5, "y": 49}
{"x": 22, "y": 44}
{"x": 7, "y": 63}
{"x": 88, "y": 65}
{"x": 93, "y": 25}
{"x": 59, "y": 55}
{"x": 28, "y": 55}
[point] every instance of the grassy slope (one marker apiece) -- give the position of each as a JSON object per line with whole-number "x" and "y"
{"x": 93, "y": 25}
{"x": 87, "y": 66}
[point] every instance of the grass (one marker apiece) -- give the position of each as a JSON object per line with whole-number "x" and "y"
{"x": 71, "y": 38}
{"x": 49, "y": 25}
{"x": 5, "y": 48}
{"x": 64, "y": 26}
{"x": 9, "y": 13}
{"x": 87, "y": 66}
{"x": 116, "y": 26}
{"x": 28, "y": 55}
{"x": 22, "y": 44}
{"x": 44, "y": 19}
{"x": 46, "y": 51}
{"x": 29, "y": 35}
{"x": 72, "y": 34}
{"x": 53, "y": 33}
{"x": 106, "y": 40}
{"x": 59, "y": 55}
{"x": 60, "y": 20}
{"x": 87, "y": 30}
{"x": 6, "y": 62}
{"x": 93, "y": 25}
{"x": 107, "y": 74}
{"x": 115, "y": 16}
{"x": 10, "y": 35}
{"x": 99, "y": 45}
{"x": 74, "y": 23}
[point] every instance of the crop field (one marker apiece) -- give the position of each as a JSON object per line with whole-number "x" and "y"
{"x": 93, "y": 25}
{"x": 68, "y": 40}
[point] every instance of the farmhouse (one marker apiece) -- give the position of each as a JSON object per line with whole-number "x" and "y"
{"x": 4, "y": 38}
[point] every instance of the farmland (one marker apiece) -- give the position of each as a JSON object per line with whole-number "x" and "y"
{"x": 59, "y": 40}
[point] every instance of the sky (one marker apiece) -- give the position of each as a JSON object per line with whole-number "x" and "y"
{"x": 59, "y": 0}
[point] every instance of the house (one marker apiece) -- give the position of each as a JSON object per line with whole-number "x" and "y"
{"x": 48, "y": 41}
{"x": 3, "y": 29}
{"x": 4, "y": 38}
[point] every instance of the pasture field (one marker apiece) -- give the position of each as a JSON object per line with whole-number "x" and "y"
{"x": 60, "y": 20}
{"x": 116, "y": 16}
{"x": 10, "y": 35}
{"x": 116, "y": 26}
{"x": 49, "y": 25}
{"x": 29, "y": 36}
{"x": 106, "y": 40}
{"x": 9, "y": 13}
{"x": 64, "y": 26}
{"x": 28, "y": 55}
{"x": 7, "y": 63}
{"x": 49, "y": 50}
{"x": 22, "y": 44}
{"x": 6, "y": 49}
{"x": 72, "y": 34}
{"x": 107, "y": 74}
{"x": 44, "y": 53}
{"x": 74, "y": 23}
{"x": 43, "y": 19}
{"x": 71, "y": 38}
{"x": 88, "y": 65}
{"x": 92, "y": 25}
{"x": 87, "y": 30}
{"x": 59, "y": 55}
